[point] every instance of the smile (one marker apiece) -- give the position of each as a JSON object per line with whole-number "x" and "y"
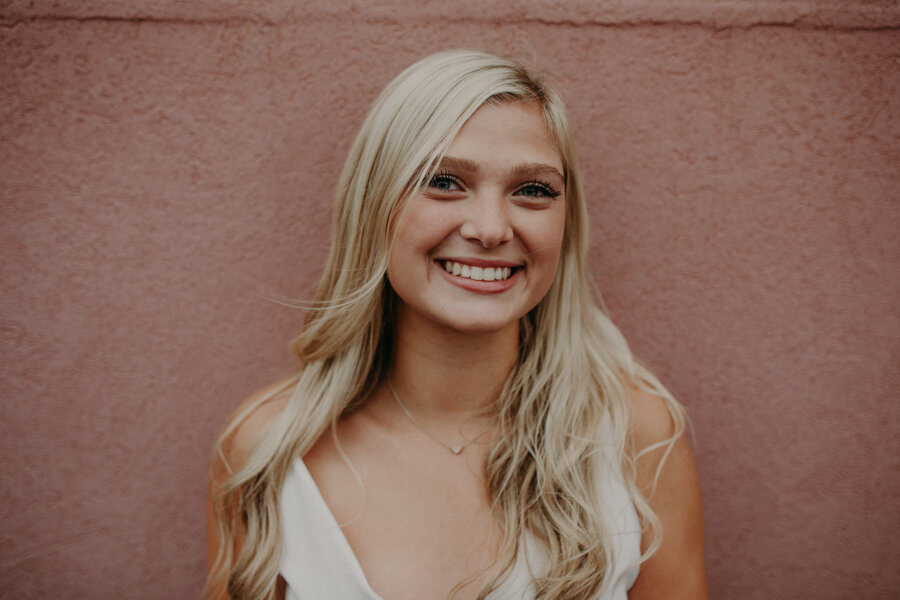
{"x": 477, "y": 273}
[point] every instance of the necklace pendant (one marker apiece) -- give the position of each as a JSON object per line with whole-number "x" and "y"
{"x": 456, "y": 450}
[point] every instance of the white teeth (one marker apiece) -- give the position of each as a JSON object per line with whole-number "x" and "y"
{"x": 476, "y": 273}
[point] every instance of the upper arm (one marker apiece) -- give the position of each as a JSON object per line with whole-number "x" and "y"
{"x": 231, "y": 453}
{"x": 677, "y": 569}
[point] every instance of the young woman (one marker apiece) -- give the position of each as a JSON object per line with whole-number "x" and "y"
{"x": 464, "y": 422}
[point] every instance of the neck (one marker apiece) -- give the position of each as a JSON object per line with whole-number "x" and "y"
{"x": 444, "y": 373}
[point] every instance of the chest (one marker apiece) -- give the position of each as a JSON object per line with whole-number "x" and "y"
{"x": 418, "y": 523}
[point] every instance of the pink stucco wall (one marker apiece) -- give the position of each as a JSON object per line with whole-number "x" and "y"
{"x": 167, "y": 168}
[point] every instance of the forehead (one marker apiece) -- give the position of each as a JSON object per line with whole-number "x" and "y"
{"x": 505, "y": 135}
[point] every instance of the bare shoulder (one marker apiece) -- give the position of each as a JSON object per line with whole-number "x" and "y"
{"x": 667, "y": 475}
{"x": 245, "y": 427}
{"x": 652, "y": 420}
{"x": 249, "y": 420}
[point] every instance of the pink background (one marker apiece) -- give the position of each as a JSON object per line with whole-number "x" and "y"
{"x": 167, "y": 168}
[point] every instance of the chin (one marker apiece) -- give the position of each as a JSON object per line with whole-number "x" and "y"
{"x": 481, "y": 325}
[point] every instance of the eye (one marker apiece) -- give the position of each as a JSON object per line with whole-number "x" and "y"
{"x": 445, "y": 182}
{"x": 537, "y": 189}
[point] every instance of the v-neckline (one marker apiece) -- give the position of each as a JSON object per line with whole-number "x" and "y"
{"x": 335, "y": 527}
{"x": 511, "y": 579}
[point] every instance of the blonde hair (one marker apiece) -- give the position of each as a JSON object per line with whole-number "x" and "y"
{"x": 571, "y": 380}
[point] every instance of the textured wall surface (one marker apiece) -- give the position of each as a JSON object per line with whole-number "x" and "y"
{"x": 167, "y": 168}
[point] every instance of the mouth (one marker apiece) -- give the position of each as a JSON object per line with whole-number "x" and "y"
{"x": 477, "y": 273}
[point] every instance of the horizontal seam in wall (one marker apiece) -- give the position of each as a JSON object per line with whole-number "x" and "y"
{"x": 802, "y": 23}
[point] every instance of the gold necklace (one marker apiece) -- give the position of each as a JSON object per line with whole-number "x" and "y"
{"x": 456, "y": 450}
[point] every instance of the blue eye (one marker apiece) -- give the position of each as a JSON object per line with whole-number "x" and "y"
{"x": 444, "y": 182}
{"x": 537, "y": 189}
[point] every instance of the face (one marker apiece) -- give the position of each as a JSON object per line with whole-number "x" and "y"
{"x": 478, "y": 247}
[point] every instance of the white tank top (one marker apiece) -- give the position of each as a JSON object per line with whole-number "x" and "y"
{"x": 317, "y": 562}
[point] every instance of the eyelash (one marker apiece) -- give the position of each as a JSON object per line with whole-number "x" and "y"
{"x": 545, "y": 188}
{"x": 444, "y": 175}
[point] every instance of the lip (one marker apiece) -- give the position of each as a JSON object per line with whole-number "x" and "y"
{"x": 480, "y": 287}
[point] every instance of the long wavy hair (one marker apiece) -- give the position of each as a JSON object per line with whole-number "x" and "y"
{"x": 571, "y": 381}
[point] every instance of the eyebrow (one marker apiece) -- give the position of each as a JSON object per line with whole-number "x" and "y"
{"x": 464, "y": 164}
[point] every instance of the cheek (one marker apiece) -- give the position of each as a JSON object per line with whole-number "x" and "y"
{"x": 425, "y": 226}
{"x": 416, "y": 234}
{"x": 546, "y": 234}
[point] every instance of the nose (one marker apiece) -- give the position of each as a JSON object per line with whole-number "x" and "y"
{"x": 487, "y": 220}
